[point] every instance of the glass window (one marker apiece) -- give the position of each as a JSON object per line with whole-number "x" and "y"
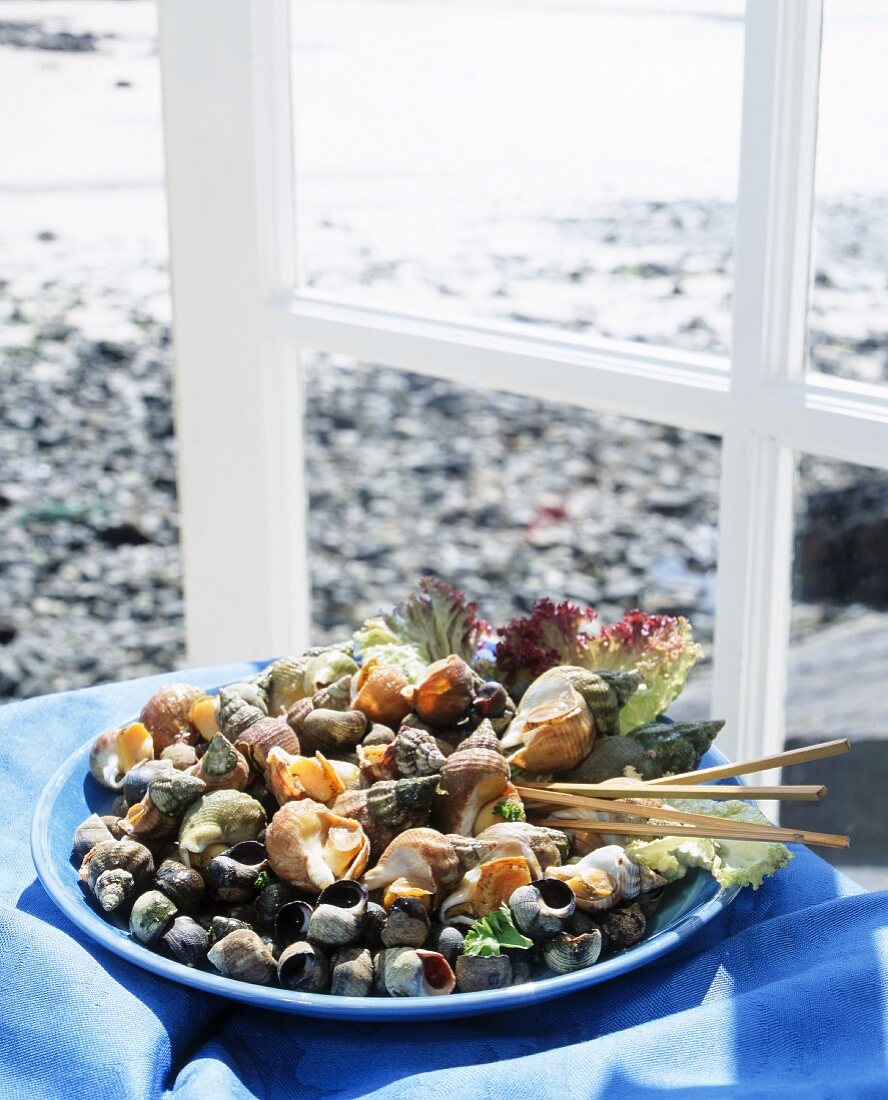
{"x": 849, "y": 298}
{"x": 506, "y": 497}
{"x": 564, "y": 164}
{"x": 838, "y": 665}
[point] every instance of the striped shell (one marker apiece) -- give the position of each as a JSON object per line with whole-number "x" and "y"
{"x": 311, "y": 847}
{"x": 469, "y": 778}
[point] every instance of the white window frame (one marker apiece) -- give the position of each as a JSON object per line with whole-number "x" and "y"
{"x": 240, "y": 324}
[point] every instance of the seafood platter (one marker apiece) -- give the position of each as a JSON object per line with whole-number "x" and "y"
{"x": 388, "y": 823}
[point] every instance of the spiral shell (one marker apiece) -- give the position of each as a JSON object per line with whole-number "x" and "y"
{"x": 293, "y": 777}
{"x": 565, "y": 953}
{"x": 222, "y": 767}
{"x": 407, "y": 973}
{"x": 431, "y": 861}
{"x": 184, "y": 886}
{"x": 469, "y": 778}
{"x": 89, "y": 833}
{"x": 377, "y": 691}
{"x": 606, "y": 877}
{"x": 215, "y": 822}
{"x": 340, "y": 915}
{"x": 311, "y": 847}
{"x": 151, "y": 915}
{"x": 553, "y": 729}
{"x": 234, "y": 714}
{"x": 244, "y": 956}
{"x": 414, "y": 752}
{"x": 115, "y": 751}
{"x": 548, "y": 846}
{"x": 485, "y": 888}
{"x": 165, "y": 715}
{"x": 540, "y": 909}
{"x": 352, "y": 972}
{"x": 303, "y": 967}
{"x": 259, "y": 738}
{"x": 443, "y": 696}
{"x": 172, "y": 792}
{"x": 186, "y": 941}
{"x": 332, "y": 731}
{"x": 127, "y": 854}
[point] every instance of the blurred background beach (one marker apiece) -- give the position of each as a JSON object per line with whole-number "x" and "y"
{"x": 570, "y": 164}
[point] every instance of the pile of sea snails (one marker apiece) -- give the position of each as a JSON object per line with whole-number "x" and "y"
{"x": 334, "y": 829}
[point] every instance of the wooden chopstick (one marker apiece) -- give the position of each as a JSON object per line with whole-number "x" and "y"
{"x": 659, "y": 813}
{"x": 762, "y": 763}
{"x": 635, "y": 789}
{"x": 750, "y": 832}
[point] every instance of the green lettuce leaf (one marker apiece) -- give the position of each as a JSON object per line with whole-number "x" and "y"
{"x": 428, "y": 626}
{"x": 731, "y": 862}
{"x": 660, "y": 648}
{"x": 490, "y": 934}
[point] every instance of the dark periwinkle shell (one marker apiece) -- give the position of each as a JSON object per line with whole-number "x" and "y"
{"x": 186, "y": 941}
{"x": 182, "y": 885}
{"x": 491, "y": 700}
{"x": 374, "y": 922}
{"x": 270, "y": 900}
{"x": 303, "y": 966}
{"x": 344, "y": 894}
{"x": 407, "y": 924}
{"x": 476, "y": 972}
{"x": 292, "y": 921}
{"x": 220, "y": 927}
{"x": 447, "y": 940}
{"x": 135, "y": 785}
{"x": 623, "y": 927}
{"x": 352, "y": 972}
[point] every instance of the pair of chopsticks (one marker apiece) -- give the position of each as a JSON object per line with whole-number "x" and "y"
{"x": 611, "y": 798}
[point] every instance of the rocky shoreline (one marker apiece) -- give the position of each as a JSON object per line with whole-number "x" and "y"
{"x": 508, "y": 497}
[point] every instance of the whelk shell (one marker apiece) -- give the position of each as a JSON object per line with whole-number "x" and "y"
{"x": 376, "y": 690}
{"x": 311, "y": 847}
{"x": 244, "y": 956}
{"x": 114, "y": 752}
{"x": 485, "y": 888}
{"x": 293, "y": 777}
{"x": 222, "y": 767}
{"x": 215, "y": 822}
{"x": 471, "y": 777}
{"x": 444, "y": 694}
{"x": 165, "y": 715}
{"x": 553, "y": 729}
{"x": 259, "y": 738}
{"x": 431, "y": 861}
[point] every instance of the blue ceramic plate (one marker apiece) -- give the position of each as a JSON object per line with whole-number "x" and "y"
{"x": 72, "y": 795}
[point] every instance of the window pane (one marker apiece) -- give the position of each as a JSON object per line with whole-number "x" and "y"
{"x": 573, "y": 165}
{"x": 838, "y": 665}
{"x": 506, "y": 497}
{"x": 849, "y": 303}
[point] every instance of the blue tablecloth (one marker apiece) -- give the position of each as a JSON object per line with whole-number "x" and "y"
{"x": 783, "y": 994}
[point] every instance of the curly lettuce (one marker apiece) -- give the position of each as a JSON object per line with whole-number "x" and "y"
{"x": 552, "y": 634}
{"x": 428, "y": 626}
{"x": 731, "y": 862}
{"x": 660, "y": 648}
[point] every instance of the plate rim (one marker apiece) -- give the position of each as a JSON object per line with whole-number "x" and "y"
{"x": 327, "y": 1005}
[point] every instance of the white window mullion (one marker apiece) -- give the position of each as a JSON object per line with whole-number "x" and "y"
{"x": 227, "y": 121}
{"x": 771, "y": 263}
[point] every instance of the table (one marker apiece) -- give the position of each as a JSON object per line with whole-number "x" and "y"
{"x": 786, "y": 993}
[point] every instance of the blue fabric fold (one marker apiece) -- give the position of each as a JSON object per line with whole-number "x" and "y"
{"x": 784, "y": 993}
